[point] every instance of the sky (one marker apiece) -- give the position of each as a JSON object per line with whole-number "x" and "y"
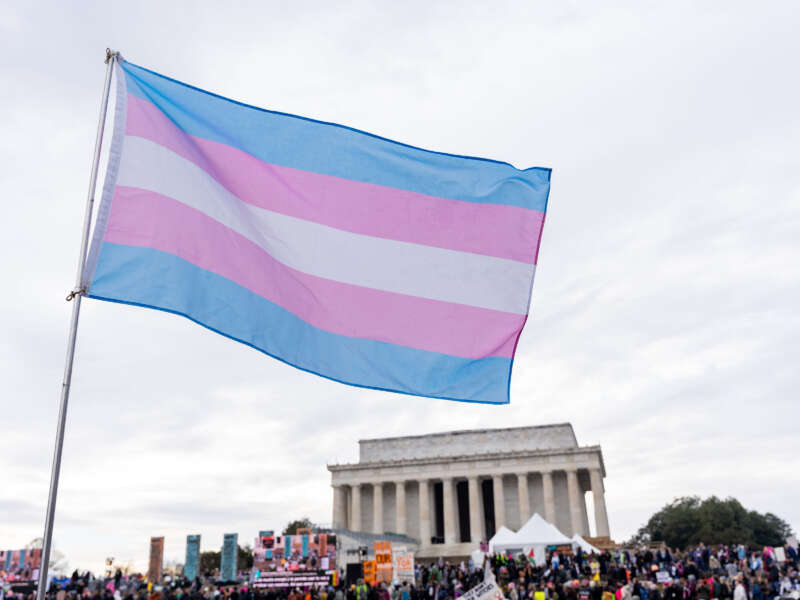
{"x": 664, "y": 322}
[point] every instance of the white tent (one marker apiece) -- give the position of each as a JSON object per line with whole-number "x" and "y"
{"x": 536, "y": 535}
{"x": 503, "y": 540}
{"x": 539, "y": 531}
{"x": 585, "y": 546}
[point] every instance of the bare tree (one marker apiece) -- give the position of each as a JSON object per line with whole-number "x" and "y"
{"x": 58, "y": 562}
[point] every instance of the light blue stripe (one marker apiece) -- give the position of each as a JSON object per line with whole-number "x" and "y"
{"x": 336, "y": 150}
{"x": 156, "y": 279}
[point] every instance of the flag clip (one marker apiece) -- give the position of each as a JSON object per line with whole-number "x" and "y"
{"x": 73, "y": 293}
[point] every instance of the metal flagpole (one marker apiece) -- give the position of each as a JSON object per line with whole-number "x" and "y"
{"x": 75, "y": 295}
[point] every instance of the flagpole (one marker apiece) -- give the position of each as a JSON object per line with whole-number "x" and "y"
{"x": 76, "y": 296}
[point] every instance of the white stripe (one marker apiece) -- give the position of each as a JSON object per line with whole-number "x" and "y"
{"x": 112, "y": 169}
{"x": 373, "y": 262}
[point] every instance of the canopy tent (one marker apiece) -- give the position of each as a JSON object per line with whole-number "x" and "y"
{"x": 585, "y": 546}
{"x": 539, "y": 531}
{"x": 536, "y": 535}
{"x": 503, "y": 540}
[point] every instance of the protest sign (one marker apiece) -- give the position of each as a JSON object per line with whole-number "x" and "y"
{"x": 284, "y": 579}
{"x": 403, "y": 565}
{"x": 383, "y": 560}
{"x": 370, "y": 571}
{"x": 486, "y": 590}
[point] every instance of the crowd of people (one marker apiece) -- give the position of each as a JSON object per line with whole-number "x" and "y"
{"x": 699, "y": 573}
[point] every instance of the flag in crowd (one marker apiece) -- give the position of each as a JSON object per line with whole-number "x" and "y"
{"x": 345, "y": 254}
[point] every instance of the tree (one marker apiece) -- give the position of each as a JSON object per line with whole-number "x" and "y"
{"x": 689, "y": 520}
{"x": 209, "y": 562}
{"x": 292, "y": 527}
{"x": 58, "y": 562}
{"x": 212, "y": 561}
{"x": 244, "y": 558}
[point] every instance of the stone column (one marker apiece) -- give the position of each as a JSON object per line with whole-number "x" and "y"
{"x": 549, "y": 497}
{"x": 524, "y": 498}
{"x": 600, "y": 513}
{"x": 475, "y": 528}
{"x": 339, "y": 507}
{"x": 348, "y": 500}
{"x": 400, "y": 502}
{"x": 448, "y": 504}
{"x": 355, "y": 507}
{"x": 576, "y": 517}
{"x": 499, "y": 502}
{"x": 424, "y": 514}
{"x": 377, "y": 508}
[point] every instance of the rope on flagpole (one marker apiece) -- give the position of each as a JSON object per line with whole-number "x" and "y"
{"x": 76, "y": 294}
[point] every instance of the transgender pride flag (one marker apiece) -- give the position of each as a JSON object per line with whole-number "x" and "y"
{"x": 342, "y": 253}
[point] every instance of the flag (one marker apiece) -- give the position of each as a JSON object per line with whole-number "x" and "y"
{"x": 342, "y": 253}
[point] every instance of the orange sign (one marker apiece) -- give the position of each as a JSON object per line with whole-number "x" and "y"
{"x": 370, "y": 569}
{"x": 383, "y": 558}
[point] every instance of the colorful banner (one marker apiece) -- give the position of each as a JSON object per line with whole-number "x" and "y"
{"x": 383, "y": 560}
{"x": 284, "y": 579}
{"x": 303, "y": 551}
{"x": 156, "y": 565}
{"x": 21, "y": 563}
{"x": 230, "y": 550}
{"x": 192, "y": 557}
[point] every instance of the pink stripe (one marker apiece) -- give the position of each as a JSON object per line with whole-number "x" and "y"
{"x": 143, "y": 218}
{"x": 490, "y": 229}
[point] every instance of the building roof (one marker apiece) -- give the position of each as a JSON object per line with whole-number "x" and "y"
{"x": 471, "y": 442}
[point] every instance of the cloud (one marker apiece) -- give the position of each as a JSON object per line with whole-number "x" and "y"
{"x": 664, "y": 322}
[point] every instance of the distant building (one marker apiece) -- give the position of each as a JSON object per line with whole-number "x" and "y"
{"x": 452, "y": 490}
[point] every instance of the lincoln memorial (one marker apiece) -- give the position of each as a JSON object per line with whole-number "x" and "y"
{"x": 451, "y": 490}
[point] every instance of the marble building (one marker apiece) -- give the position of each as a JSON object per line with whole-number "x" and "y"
{"x": 451, "y": 490}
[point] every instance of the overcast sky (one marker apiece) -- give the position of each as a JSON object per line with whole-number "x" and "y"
{"x": 665, "y": 322}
